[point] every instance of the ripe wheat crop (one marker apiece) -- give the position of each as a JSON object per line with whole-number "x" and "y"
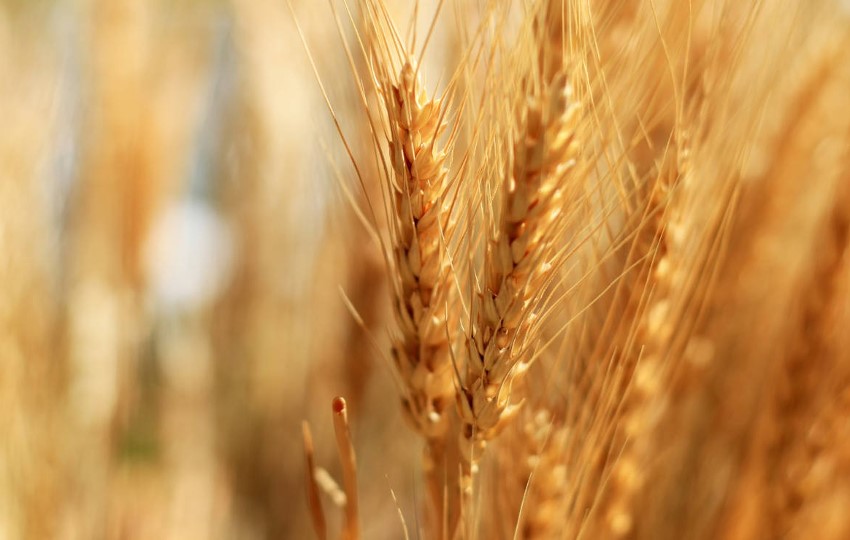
{"x": 606, "y": 240}
{"x": 441, "y": 269}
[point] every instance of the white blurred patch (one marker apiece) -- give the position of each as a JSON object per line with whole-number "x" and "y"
{"x": 188, "y": 256}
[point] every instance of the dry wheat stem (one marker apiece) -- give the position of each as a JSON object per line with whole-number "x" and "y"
{"x": 314, "y": 500}
{"x": 351, "y": 530}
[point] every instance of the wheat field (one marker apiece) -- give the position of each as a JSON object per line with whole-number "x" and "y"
{"x": 434, "y": 269}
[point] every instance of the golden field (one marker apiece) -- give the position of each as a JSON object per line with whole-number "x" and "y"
{"x": 578, "y": 268}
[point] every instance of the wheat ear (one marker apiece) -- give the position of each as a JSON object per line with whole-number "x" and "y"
{"x": 422, "y": 353}
{"x": 426, "y": 302}
{"x": 519, "y": 259}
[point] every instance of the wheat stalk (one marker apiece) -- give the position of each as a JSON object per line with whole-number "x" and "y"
{"x": 351, "y": 530}
{"x": 313, "y": 493}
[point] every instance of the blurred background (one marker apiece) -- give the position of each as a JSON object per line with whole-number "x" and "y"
{"x": 173, "y": 241}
